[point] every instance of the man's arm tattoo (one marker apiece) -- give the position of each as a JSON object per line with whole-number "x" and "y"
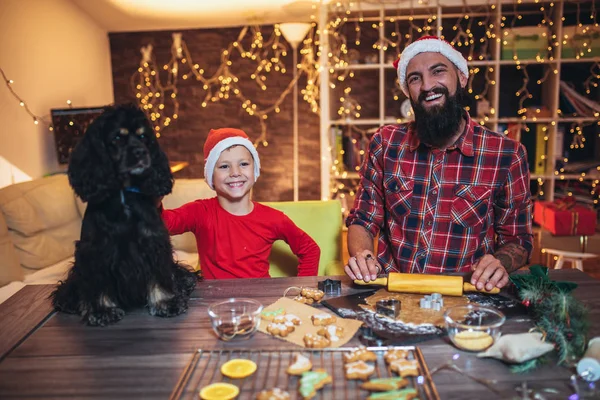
{"x": 512, "y": 256}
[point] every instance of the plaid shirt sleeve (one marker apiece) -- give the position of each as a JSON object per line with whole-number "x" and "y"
{"x": 368, "y": 205}
{"x": 513, "y": 205}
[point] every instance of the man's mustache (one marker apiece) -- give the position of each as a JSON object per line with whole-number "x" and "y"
{"x": 436, "y": 90}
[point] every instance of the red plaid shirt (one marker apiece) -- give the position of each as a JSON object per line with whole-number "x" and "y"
{"x": 441, "y": 210}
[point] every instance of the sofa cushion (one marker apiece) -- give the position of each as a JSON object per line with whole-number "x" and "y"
{"x": 184, "y": 191}
{"x": 321, "y": 220}
{"x": 10, "y": 269}
{"x": 43, "y": 220}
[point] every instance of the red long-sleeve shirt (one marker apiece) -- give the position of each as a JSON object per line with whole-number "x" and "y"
{"x": 233, "y": 246}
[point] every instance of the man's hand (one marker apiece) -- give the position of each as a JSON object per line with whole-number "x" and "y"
{"x": 363, "y": 267}
{"x": 488, "y": 272}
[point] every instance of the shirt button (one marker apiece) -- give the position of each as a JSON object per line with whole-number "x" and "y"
{"x": 429, "y": 223}
{"x": 434, "y": 192}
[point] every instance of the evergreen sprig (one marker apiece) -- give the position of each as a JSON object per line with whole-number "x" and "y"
{"x": 561, "y": 318}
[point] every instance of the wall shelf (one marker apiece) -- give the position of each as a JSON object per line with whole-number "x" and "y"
{"x": 385, "y": 105}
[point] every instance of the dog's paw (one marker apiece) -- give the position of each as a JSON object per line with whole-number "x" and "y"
{"x": 104, "y": 317}
{"x": 169, "y": 308}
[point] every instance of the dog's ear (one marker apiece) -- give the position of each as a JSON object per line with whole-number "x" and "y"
{"x": 160, "y": 180}
{"x": 91, "y": 171}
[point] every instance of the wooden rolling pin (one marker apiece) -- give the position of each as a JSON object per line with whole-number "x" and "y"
{"x": 425, "y": 284}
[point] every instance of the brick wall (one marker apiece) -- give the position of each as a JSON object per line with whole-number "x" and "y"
{"x": 183, "y": 139}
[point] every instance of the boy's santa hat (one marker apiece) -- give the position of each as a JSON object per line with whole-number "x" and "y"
{"x": 222, "y": 139}
{"x": 428, "y": 44}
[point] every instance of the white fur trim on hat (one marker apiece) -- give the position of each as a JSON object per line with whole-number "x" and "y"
{"x": 429, "y": 45}
{"x": 213, "y": 156}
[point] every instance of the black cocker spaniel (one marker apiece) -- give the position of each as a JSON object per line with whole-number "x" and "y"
{"x": 124, "y": 258}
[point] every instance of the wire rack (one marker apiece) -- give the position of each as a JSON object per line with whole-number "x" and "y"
{"x": 204, "y": 369}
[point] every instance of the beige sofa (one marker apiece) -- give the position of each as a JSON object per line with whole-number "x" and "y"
{"x": 40, "y": 221}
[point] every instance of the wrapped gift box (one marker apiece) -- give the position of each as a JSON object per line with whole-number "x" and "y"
{"x": 583, "y": 41}
{"x": 564, "y": 219}
{"x": 526, "y": 42}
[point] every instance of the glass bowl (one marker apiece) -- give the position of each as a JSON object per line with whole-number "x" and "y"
{"x": 235, "y": 318}
{"x": 473, "y": 327}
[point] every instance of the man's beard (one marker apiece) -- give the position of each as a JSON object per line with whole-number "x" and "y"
{"x": 437, "y": 125}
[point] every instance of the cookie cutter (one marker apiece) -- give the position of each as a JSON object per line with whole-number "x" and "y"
{"x": 389, "y": 307}
{"x": 330, "y": 287}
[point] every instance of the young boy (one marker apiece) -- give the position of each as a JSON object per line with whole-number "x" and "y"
{"x": 235, "y": 234}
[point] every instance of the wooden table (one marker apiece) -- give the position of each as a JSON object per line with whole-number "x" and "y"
{"x": 44, "y": 354}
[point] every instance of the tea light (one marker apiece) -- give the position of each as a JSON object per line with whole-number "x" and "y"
{"x": 589, "y": 366}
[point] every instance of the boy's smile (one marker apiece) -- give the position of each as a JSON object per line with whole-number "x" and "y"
{"x": 233, "y": 175}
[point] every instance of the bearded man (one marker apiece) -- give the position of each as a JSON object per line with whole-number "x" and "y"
{"x": 442, "y": 193}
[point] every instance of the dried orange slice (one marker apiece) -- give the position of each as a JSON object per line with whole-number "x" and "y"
{"x": 219, "y": 391}
{"x": 238, "y": 368}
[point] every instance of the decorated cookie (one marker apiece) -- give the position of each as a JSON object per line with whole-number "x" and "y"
{"x": 304, "y": 300}
{"x": 323, "y": 319}
{"x": 360, "y": 354}
{"x": 301, "y": 364}
{"x": 315, "y": 341}
{"x": 273, "y": 394}
{"x": 384, "y": 384}
{"x": 280, "y": 329}
{"x": 311, "y": 381}
{"x": 311, "y": 293}
{"x": 331, "y": 332}
{"x": 269, "y": 315}
{"x": 287, "y": 318}
{"x": 405, "y": 368}
{"x": 395, "y": 354}
{"x": 404, "y": 394}
{"x": 359, "y": 370}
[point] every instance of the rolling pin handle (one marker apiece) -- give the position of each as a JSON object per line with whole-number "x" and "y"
{"x": 467, "y": 287}
{"x": 379, "y": 281}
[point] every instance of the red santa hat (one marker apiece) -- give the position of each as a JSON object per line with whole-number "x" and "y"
{"x": 428, "y": 44}
{"x": 222, "y": 139}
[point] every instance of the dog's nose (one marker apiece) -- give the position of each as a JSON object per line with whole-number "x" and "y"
{"x": 139, "y": 152}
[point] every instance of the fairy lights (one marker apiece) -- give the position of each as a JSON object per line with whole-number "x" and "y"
{"x": 36, "y": 118}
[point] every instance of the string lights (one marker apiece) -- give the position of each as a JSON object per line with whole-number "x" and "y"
{"x": 36, "y": 118}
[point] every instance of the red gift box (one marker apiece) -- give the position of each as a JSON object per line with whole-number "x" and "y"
{"x": 564, "y": 218}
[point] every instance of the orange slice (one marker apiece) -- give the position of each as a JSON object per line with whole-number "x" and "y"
{"x": 238, "y": 368}
{"x": 219, "y": 391}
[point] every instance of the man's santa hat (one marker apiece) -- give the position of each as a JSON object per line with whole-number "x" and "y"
{"x": 219, "y": 140}
{"x": 428, "y": 44}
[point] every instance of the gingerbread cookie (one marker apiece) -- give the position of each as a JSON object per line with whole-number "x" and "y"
{"x": 331, "y": 332}
{"x": 300, "y": 365}
{"x": 395, "y": 354}
{"x": 404, "y": 394}
{"x": 287, "y": 318}
{"x": 359, "y": 370}
{"x": 303, "y": 300}
{"x": 269, "y": 315}
{"x": 273, "y": 394}
{"x": 311, "y": 293}
{"x": 384, "y": 384}
{"x": 311, "y": 381}
{"x": 315, "y": 341}
{"x": 360, "y": 354}
{"x": 280, "y": 329}
{"x": 405, "y": 368}
{"x": 323, "y": 319}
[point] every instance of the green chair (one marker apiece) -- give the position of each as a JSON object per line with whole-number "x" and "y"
{"x": 322, "y": 220}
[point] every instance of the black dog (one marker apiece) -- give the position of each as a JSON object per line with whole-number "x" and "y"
{"x": 124, "y": 258}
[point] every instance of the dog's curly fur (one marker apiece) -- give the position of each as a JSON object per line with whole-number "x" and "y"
{"x": 124, "y": 258}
